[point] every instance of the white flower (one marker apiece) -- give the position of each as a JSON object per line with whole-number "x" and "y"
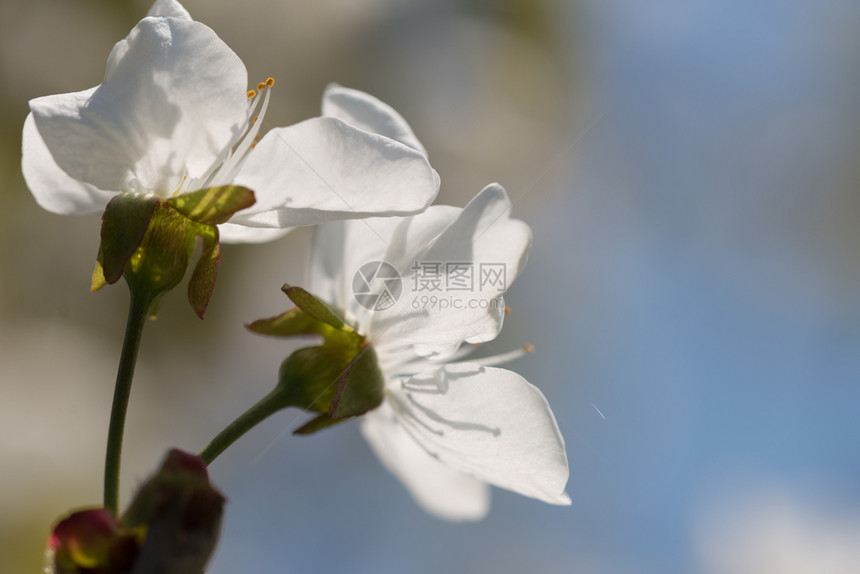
{"x": 447, "y": 428}
{"x": 173, "y": 115}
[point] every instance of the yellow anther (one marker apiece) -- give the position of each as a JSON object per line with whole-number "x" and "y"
{"x": 251, "y": 94}
{"x": 270, "y": 82}
{"x": 507, "y": 310}
{"x": 528, "y": 348}
{"x": 261, "y": 86}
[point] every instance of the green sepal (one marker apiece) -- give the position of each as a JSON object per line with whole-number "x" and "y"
{"x": 360, "y": 387}
{"x": 213, "y": 205}
{"x": 124, "y": 223}
{"x": 317, "y": 423}
{"x": 294, "y": 322}
{"x": 99, "y": 280}
{"x": 151, "y": 241}
{"x": 160, "y": 261}
{"x": 308, "y": 378}
{"x": 340, "y": 381}
{"x": 314, "y": 306}
{"x": 202, "y": 281}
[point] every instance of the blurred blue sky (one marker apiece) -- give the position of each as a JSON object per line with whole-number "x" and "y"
{"x": 713, "y": 301}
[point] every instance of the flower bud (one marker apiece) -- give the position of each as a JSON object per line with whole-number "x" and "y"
{"x": 91, "y": 541}
{"x": 180, "y": 513}
{"x": 171, "y": 527}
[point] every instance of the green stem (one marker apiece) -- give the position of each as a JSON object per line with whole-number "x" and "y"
{"x": 138, "y": 312}
{"x": 265, "y": 407}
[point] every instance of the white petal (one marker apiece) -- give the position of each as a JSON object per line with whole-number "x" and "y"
{"x": 438, "y": 489}
{"x": 325, "y": 170}
{"x": 232, "y": 233}
{"x": 365, "y": 112}
{"x": 172, "y": 101}
{"x": 453, "y": 289}
{"x": 486, "y": 422}
{"x": 340, "y": 249}
{"x": 53, "y": 189}
{"x": 169, "y": 9}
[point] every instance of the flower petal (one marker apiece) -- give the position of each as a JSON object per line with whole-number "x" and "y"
{"x": 365, "y": 112}
{"x": 452, "y": 290}
{"x": 172, "y": 101}
{"x": 438, "y": 489}
{"x": 324, "y": 170}
{"x": 232, "y": 233}
{"x": 53, "y": 189}
{"x": 488, "y": 423}
{"x": 169, "y": 9}
{"x": 340, "y": 249}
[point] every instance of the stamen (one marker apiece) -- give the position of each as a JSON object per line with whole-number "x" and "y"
{"x": 503, "y": 357}
{"x": 507, "y": 310}
{"x": 270, "y": 82}
{"x": 231, "y": 163}
{"x": 182, "y": 186}
{"x": 463, "y": 351}
{"x": 217, "y": 172}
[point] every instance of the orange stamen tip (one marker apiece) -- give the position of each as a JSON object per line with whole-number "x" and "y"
{"x": 251, "y": 94}
{"x": 507, "y": 310}
{"x": 528, "y": 348}
{"x": 270, "y": 82}
{"x": 261, "y": 86}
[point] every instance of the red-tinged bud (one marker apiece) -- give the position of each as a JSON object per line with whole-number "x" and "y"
{"x": 171, "y": 527}
{"x": 184, "y": 463}
{"x": 180, "y": 513}
{"x": 91, "y": 541}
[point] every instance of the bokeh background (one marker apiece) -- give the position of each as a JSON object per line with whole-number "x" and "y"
{"x": 690, "y": 170}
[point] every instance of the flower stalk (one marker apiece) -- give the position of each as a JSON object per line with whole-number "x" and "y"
{"x": 336, "y": 380}
{"x": 140, "y": 305}
{"x": 263, "y": 409}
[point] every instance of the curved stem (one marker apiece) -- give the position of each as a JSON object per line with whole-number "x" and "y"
{"x": 265, "y": 407}
{"x": 138, "y": 312}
